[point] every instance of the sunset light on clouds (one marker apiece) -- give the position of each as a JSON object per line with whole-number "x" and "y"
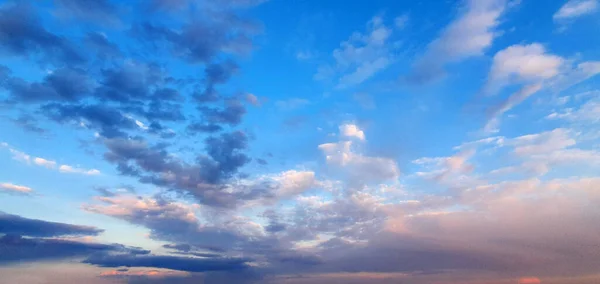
{"x": 275, "y": 141}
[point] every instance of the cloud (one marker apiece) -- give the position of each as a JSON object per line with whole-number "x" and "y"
{"x": 201, "y": 42}
{"x": 22, "y": 34}
{"x": 104, "y": 48}
{"x": 215, "y": 74}
{"x": 467, "y": 36}
{"x": 292, "y": 183}
{"x": 29, "y": 240}
{"x": 176, "y": 222}
{"x": 351, "y": 130}
{"x": 497, "y": 110}
{"x": 201, "y": 127}
{"x": 17, "y": 225}
{"x": 253, "y": 99}
{"x": 575, "y": 8}
{"x": 543, "y": 151}
{"x": 72, "y": 170}
{"x": 540, "y": 71}
{"x": 358, "y": 167}
{"x": 587, "y": 112}
{"x": 169, "y": 262}
{"x": 291, "y": 104}
{"x": 46, "y": 163}
{"x": 529, "y": 280}
{"x": 360, "y": 57}
{"x": 101, "y": 11}
{"x": 508, "y": 66}
{"x": 29, "y": 123}
{"x": 64, "y": 84}
{"x": 232, "y": 113}
{"x": 14, "y": 188}
{"x": 14, "y": 248}
{"x": 155, "y": 165}
{"x": 145, "y": 273}
{"x": 109, "y": 121}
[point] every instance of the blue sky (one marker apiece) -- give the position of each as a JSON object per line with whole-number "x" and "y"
{"x": 283, "y": 141}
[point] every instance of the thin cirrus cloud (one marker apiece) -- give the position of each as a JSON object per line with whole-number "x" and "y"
{"x": 467, "y": 36}
{"x": 15, "y": 188}
{"x": 49, "y": 164}
{"x": 575, "y": 8}
{"x": 543, "y": 71}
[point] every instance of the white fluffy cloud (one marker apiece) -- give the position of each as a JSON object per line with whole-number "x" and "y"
{"x": 291, "y": 183}
{"x": 352, "y": 130}
{"x": 358, "y": 167}
{"x": 523, "y": 64}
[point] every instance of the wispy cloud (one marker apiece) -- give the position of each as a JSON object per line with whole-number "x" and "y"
{"x": 575, "y": 8}
{"x": 49, "y": 164}
{"x": 14, "y": 188}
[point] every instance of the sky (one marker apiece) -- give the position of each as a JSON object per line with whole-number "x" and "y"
{"x": 255, "y": 141}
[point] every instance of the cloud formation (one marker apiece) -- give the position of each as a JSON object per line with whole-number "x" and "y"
{"x": 48, "y": 164}
{"x": 467, "y": 36}
{"x": 575, "y": 8}
{"x": 14, "y": 188}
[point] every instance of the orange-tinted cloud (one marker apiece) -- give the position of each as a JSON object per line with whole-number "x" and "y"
{"x": 530, "y": 280}
{"x": 158, "y": 273}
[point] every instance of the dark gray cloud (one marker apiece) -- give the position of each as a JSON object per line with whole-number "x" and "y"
{"x": 215, "y": 74}
{"x": 110, "y": 122}
{"x": 22, "y": 34}
{"x": 137, "y": 158}
{"x": 200, "y": 41}
{"x": 17, "y": 225}
{"x": 14, "y": 248}
{"x": 99, "y": 11}
{"x": 104, "y": 48}
{"x": 29, "y": 123}
{"x": 179, "y": 247}
{"x": 225, "y": 151}
{"x": 201, "y": 127}
{"x": 129, "y": 82}
{"x": 231, "y": 114}
{"x": 190, "y": 264}
{"x": 63, "y": 84}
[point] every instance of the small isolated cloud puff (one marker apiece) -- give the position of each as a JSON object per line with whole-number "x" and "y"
{"x": 351, "y": 130}
{"x": 73, "y": 170}
{"x": 575, "y": 8}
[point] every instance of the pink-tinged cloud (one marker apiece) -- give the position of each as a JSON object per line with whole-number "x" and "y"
{"x": 154, "y": 273}
{"x": 530, "y": 280}
{"x": 14, "y": 188}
